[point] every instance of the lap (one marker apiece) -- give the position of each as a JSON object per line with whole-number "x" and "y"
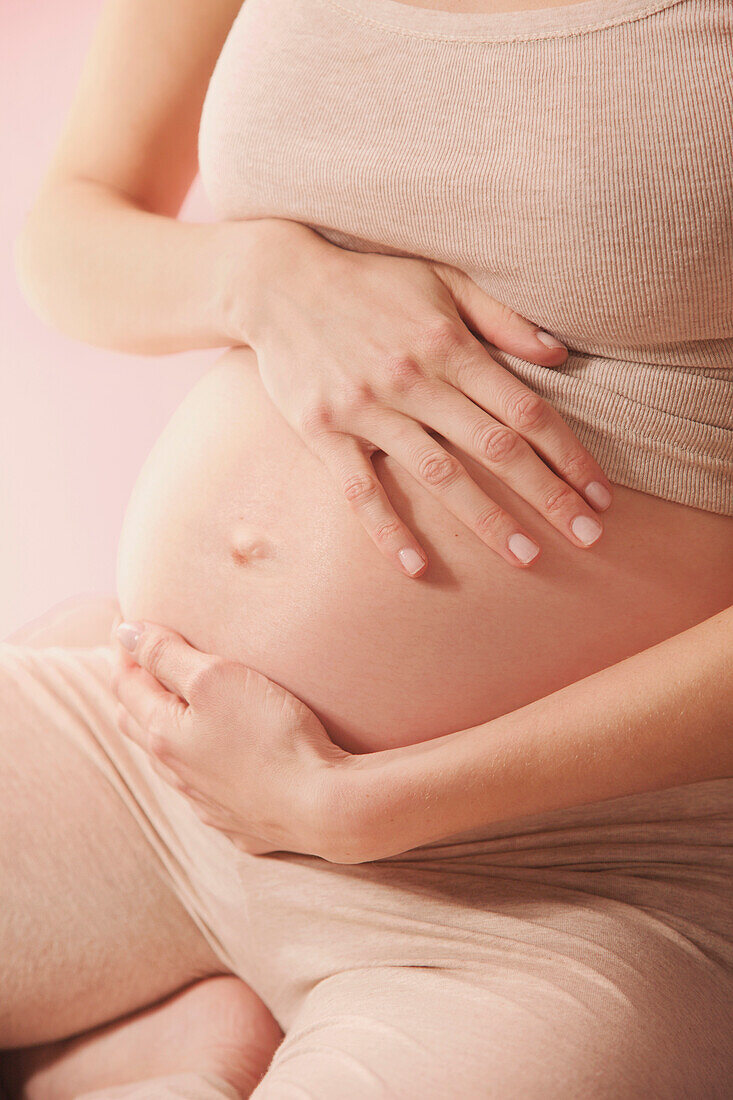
{"x": 397, "y": 1033}
{"x": 90, "y": 928}
{"x": 582, "y": 955}
{"x": 587, "y": 958}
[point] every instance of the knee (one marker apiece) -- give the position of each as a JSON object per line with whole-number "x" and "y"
{"x": 396, "y": 1033}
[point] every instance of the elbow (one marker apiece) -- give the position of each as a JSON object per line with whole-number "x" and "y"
{"x": 52, "y": 262}
{"x": 26, "y": 257}
{"x": 33, "y": 259}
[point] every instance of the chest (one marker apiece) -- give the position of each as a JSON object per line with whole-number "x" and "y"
{"x": 606, "y": 160}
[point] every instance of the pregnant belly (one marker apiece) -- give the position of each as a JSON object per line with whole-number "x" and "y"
{"x": 236, "y": 537}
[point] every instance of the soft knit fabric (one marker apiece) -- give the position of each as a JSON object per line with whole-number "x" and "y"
{"x": 179, "y": 1086}
{"x": 582, "y": 954}
{"x": 576, "y": 162}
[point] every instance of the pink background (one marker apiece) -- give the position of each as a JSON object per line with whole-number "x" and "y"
{"x": 75, "y": 422}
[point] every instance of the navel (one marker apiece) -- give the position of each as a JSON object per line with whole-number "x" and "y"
{"x": 249, "y": 547}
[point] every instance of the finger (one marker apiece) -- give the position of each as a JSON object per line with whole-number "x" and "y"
{"x": 509, "y": 457}
{"x": 165, "y": 655}
{"x": 168, "y": 775}
{"x": 158, "y": 712}
{"x": 498, "y": 323}
{"x": 121, "y": 660}
{"x": 133, "y": 731}
{"x": 172, "y": 770}
{"x": 115, "y": 623}
{"x": 443, "y": 475}
{"x": 204, "y": 807}
{"x": 500, "y": 393}
{"x": 198, "y": 799}
{"x": 354, "y": 472}
{"x": 207, "y": 811}
{"x": 130, "y": 727}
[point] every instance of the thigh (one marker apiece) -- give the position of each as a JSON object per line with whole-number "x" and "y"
{"x": 395, "y": 1033}
{"x": 82, "y": 620}
{"x": 90, "y": 927}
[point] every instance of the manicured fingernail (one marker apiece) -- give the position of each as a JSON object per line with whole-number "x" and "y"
{"x": 412, "y": 563}
{"x": 598, "y": 495}
{"x": 523, "y": 548}
{"x": 547, "y": 340}
{"x": 129, "y": 634}
{"x": 586, "y": 530}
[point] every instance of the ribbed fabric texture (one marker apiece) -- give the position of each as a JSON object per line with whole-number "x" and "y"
{"x": 576, "y": 162}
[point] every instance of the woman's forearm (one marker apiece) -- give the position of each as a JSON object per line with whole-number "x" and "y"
{"x": 104, "y": 270}
{"x": 659, "y": 719}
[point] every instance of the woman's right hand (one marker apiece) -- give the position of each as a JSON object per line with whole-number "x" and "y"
{"x": 363, "y": 352}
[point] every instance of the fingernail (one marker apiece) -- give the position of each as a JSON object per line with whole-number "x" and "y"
{"x": 547, "y": 340}
{"x": 586, "y": 530}
{"x": 129, "y": 634}
{"x": 523, "y": 548}
{"x": 412, "y": 563}
{"x": 598, "y": 495}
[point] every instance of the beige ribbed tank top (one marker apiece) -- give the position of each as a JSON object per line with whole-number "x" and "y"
{"x": 576, "y": 162}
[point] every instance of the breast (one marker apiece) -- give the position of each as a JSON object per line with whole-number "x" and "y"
{"x": 583, "y": 180}
{"x": 236, "y": 536}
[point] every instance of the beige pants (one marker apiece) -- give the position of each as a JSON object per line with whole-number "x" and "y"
{"x": 579, "y": 954}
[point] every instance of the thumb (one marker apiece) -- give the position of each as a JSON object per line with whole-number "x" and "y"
{"x": 164, "y": 654}
{"x": 498, "y": 323}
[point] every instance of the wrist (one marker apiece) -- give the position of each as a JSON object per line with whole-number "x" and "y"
{"x": 252, "y": 258}
{"x": 366, "y": 809}
{"x": 342, "y": 814}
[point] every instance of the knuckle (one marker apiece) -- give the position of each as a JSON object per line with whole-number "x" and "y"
{"x": 155, "y": 653}
{"x": 359, "y": 489}
{"x": 174, "y": 780}
{"x": 490, "y": 521}
{"x": 403, "y": 373}
{"x": 387, "y": 531}
{"x": 558, "y": 499}
{"x": 505, "y": 315}
{"x": 526, "y": 410}
{"x": 497, "y": 443}
{"x": 206, "y": 681}
{"x": 159, "y": 746}
{"x": 438, "y": 468}
{"x": 462, "y": 372}
{"x": 575, "y": 465}
{"x": 316, "y": 418}
{"x": 356, "y": 398}
{"x": 441, "y": 338}
{"x": 205, "y": 816}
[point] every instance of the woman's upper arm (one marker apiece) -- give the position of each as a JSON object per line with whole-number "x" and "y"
{"x": 133, "y": 124}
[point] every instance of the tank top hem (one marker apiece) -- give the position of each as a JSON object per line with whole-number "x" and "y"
{"x": 582, "y": 179}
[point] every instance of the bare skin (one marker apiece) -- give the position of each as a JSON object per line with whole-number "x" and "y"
{"x": 236, "y": 539}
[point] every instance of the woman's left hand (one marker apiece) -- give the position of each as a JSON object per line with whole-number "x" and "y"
{"x": 253, "y": 761}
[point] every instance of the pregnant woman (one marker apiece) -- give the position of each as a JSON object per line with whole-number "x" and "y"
{"x": 475, "y": 265}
